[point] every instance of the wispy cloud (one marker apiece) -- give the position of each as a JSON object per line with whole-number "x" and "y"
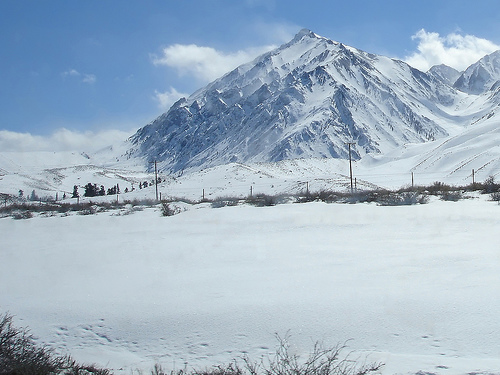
{"x": 167, "y": 98}
{"x": 84, "y": 77}
{"x": 71, "y": 73}
{"x": 89, "y": 78}
{"x": 205, "y": 63}
{"x": 455, "y": 50}
{"x": 61, "y": 140}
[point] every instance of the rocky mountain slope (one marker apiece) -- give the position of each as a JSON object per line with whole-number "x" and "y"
{"x": 308, "y": 99}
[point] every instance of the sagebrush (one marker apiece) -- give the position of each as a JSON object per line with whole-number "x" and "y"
{"x": 20, "y": 355}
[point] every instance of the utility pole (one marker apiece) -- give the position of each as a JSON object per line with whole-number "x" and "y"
{"x": 156, "y": 179}
{"x": 350, "y": 164}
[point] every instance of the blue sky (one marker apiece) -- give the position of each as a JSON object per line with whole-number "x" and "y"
{"x": 95, "y": 67}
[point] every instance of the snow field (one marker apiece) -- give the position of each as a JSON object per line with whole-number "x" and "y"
{"x": 416, "y": 287}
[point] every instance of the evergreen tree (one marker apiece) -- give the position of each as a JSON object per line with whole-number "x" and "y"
{"x": 112, "y": 190}
{"x": 90, "y": 190}
{"x": 75, "y": 192}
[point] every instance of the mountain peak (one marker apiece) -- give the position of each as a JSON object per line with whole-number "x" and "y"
{"x": 481, "y": 76}
{"x": 305, "y": 32}
{"x": 305, "y": 99}
{"x": 444, "y": 73}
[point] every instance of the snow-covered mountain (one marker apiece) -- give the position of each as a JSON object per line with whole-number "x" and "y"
{"x": 306, "y": 99}
{"x": 481, "y": 76}
{"x": 287, "y": 117}
{"x": 445, "y": 73}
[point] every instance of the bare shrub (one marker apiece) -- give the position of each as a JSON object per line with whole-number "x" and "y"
{"x": 89, "y": 209}
{"x": 368, "y": 196}
{"x": 225, "y": 201}
{"x": 169, "y": 210}
{"x": 490, "y": 186}
{"x": 19, "y": 215}
{"x": 128, "y": 210}
{"x": 261, "y": 200}
{"x": 453, "y": 196}
{"x": 264, "y": 200}
{"x": 495, "y": 196}
{"x": 438, "y": 188}
{"x": 19, "y": 354}
{"x": 328, "y": 196}
{"x": 141, "y": 202}
{"x": 321, "y": 361}
{"x": 405, "y": 198}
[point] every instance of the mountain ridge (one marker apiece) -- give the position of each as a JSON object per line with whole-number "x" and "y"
{"x": 307, "y": 98}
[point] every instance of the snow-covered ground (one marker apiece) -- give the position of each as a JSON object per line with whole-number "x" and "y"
{"x": 416, "y": 287}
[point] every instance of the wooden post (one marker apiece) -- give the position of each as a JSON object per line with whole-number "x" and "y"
{"x": 412, "y": 184}
{"x": 473, "y": 179}
{"x": 350, "y": 165}
{"x": 203, "y": 195}
{"x": 251, "y": 191}
{"x": 307, "y": 187}
{"x": 156, "y": 181}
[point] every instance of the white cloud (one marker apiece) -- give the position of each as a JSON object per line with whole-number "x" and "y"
{"x": 205, "y": 63}
{"x": 89, "y": 78}
{"x": 455, "y": 50}
{"x": 61, "y": 140}
{"x": 85, "y": 78}
{"x": 167, "y": 98}
{"x": 71, "y": 72}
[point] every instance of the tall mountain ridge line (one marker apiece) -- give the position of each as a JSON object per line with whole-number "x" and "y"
{"x": 308, "y": 98}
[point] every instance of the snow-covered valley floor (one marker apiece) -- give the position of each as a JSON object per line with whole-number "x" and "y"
{"x": 416, "y": 287}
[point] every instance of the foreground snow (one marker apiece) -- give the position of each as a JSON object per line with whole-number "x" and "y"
{"x": 416, "y": 287}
